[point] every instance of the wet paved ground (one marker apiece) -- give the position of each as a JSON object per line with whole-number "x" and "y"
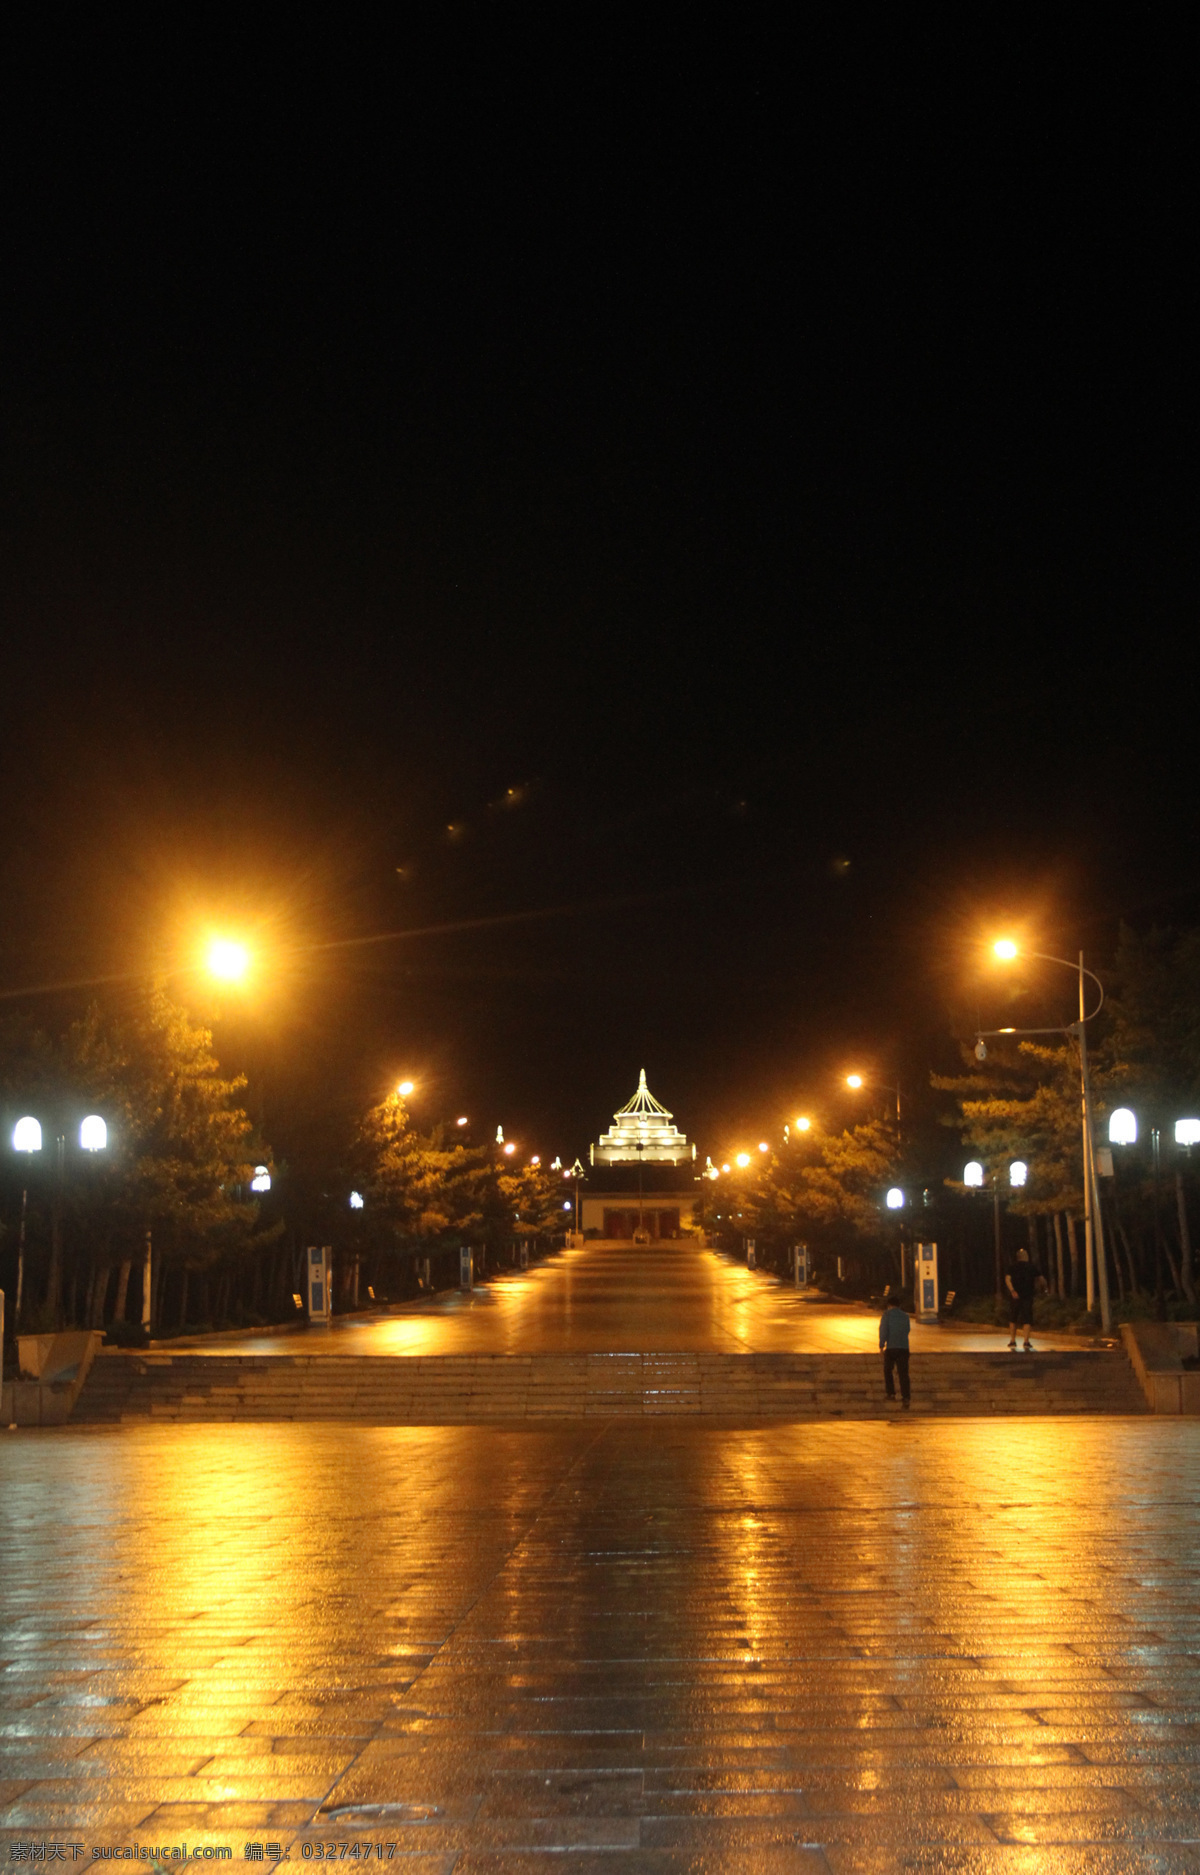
{"x": 617, "y": 1298}
{"x": 968, "y": 1645}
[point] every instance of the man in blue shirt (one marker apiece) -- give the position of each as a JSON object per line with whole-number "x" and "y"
{"x": 893, "y": 1345}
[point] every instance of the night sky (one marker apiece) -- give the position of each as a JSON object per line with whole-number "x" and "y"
{"x": 729, "y": 494}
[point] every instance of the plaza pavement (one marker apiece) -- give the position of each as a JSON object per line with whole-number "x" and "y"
{"x": 616, "y": 1297}
{"x": 928, "y": 1645}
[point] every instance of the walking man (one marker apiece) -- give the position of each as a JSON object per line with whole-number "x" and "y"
{"x": 1021, "y": 1282}
{"x": 893, "y": 1345}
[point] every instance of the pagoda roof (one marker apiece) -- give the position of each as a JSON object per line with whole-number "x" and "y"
{"x": 642, "y": 1130}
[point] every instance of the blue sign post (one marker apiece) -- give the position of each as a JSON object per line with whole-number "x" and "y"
{"x": 319, "y": 1299}
{"x": 925, "y": 1283}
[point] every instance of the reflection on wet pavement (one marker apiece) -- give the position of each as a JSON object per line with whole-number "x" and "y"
{"x": 617, "y": 1298}
{"x": 932, "y": 1645}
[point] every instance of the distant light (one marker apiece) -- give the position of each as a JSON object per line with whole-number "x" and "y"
{"x": 27, "y": 1135}
{"x": 973, "y": 1174}
{"x": 93, "y": 1133}
{"x": 228, "y": 960}
{"x": 1187, "y": 1132}
{"x": 356, "y": 1201}
{"x": 763, "y": 1146}
{"x": 743, "y": 1158}
{"x": 261, "y": 1180}
{"x": 461, "y": 1121}
{"x": 724, "y": 1168}
{"x": 1122, "y": 1127}
{"x": 854, "y": 1080}
{"x": 567, "y": 1205}
{"x": 405, "y": 1089}
{"x": 803, "y": 1124}
{"x": 1018, "y": 1172}
{"x": 895, "y": 1198}
{"x": 1005, "y": 948}
{"x": 535, "y": 1160}
{"x": 509, "y": 1149}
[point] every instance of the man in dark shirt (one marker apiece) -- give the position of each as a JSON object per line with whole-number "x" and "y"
{"x": 893, "y": 1345}
{"x": 1021, "y": 1282}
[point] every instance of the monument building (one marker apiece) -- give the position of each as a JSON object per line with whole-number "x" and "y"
{"x": 643, "y": 1184}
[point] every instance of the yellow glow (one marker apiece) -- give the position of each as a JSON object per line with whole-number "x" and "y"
{"x": 228, "y": 960}
{"x": 405, "y": 1089}
{"x": 1005, "y": 949}
{"x": 803, "y": 1123}
{"x": 854, "y": 1080}
{"x": 743, "y": 1158}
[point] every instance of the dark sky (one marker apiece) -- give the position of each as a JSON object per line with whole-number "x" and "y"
{"x": 762, "y": 453}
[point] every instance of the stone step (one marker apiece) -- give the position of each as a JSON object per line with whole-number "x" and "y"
{"x": 387, "y": 1390}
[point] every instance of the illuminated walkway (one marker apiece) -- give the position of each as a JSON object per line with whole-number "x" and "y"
{"x": 866, "y": 1647}
{"x": 615, "y": 1297}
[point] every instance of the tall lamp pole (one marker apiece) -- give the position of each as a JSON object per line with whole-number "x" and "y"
{"x": 1093, "y": 1217}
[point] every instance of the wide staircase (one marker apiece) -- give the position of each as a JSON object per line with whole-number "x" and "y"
{"x": 448, "y": 1389}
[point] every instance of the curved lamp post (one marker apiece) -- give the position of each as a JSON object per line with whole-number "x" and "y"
{"x": 1093, "y": 1218}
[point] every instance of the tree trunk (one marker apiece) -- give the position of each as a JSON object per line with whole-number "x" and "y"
{"x": 1185, "y": 1240}
{"x": 1060, "y": 1258}
{"x": 99, "y": 1295}
{"x": 1073, "y": 1244}
{"x": 122, "y": 1290}
{"x": 1124, "y": 1238}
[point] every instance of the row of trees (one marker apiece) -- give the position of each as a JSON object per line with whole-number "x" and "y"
{"x": 176, "y": 1177}
{"x": 1022, "y": 1102}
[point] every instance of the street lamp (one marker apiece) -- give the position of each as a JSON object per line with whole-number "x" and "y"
{"x": 859, "y": 1081}
{"x": 1122, "y": 1127}
{"x": 975, "y": 1178}
{"x": 1093, "y": 1218}
{"x": 895, "y": 1199}
{"x": 228, "y": 960}
{"x": 27, "y": 1138}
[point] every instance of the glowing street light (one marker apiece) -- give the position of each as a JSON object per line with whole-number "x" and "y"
{"x": 743, "y": 1159}
{"x": 1018, "y": 1172}
{"x": 973, "y": 1175}
{"x": 803, "y": 1123}
{"x": 895, "y": 1199}
{"x": 356, "y": 1201}
{"x": 1187, "y": 1132}
{"x": 854, "y": 1080}
{"x": 227, "y": 960}
{"x": 93, "y": 1133}
{"x": 261, "y": 1180}
{"x": 405, "y": 1089}
{"x": 1122, "y": 1127}
{"x": 763, "y": 1146}
{"x": 461, "y": 1120}
{"x": 27, "y": 1135}
{"x": 509, "y": 1150}
{"x": 1005, "y": 949}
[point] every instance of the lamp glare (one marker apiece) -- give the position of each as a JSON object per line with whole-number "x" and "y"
{"x": 1122, "y": 1127}
{"x": 1018, "y": 1172}
{"x": 27, "y": 1135}
{"x": 895, "y": 1198}
{"x": 1187, "y": 1132}
{"x": 93, "y": 1133}
{"x": 973, "y": 1174}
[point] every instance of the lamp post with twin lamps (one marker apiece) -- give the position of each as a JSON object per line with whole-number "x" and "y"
{"x": 1093, "y": 1218}
{"x": 1123, "y": 1131}
{"x": 974, "y": 1178}
{"x": 27, "y": 1138}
